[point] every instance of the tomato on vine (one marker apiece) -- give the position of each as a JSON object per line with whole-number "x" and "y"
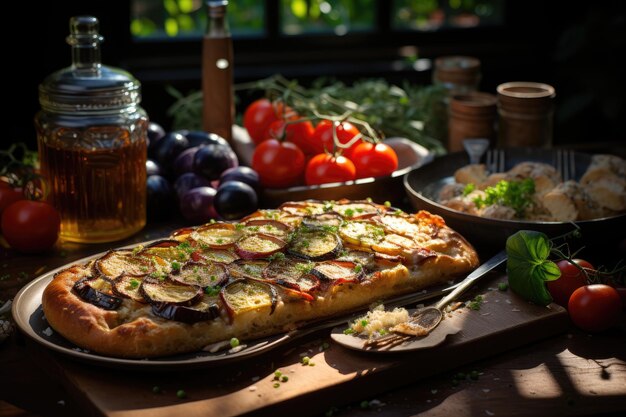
{"x": 298, "y": 132}
{"x": 325, "y": 168}
{"x": 373, "y": 159}
{"x": 279, "y": 164}
{"x": 323, "y": 140}
{"x": 572, "y": 278}
{"x": 260, "y": 114}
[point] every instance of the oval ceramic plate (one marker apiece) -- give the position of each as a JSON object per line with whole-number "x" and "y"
{"x": 435, "y": 338}
{"x": 423, "y": 185}
{"x": 28, "y": 315}
{"x": 389, "y": 188}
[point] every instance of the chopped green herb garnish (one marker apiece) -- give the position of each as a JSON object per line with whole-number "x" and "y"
{"x": 234, "y": 342}
{"x": 476, "y": 303}
{"x": 137, "y": 249}
{"x": 276, "y": 385}
{"x": 278, "y": 256}
{"x": 181, "y": 394}
{"x": 277, "y": 374}
{"x": 369, "y": 199}
{"x": 468, "y": 189}
{"x": 358, "y": 268}
{"x": 348, "y": 213}
{"x": 348, "y": 331}
{"x": 284, "y": 378}
{"x": 175, "y": 266}
{"x": 515, "y": 194}
{"x": 387, "y": 204}
{"x": 239, "y": 226}
{"x": 212, "y": 291}
{"x": 503, "y": 286}
{"x": 134, "y": 283}
{"x": 305, "y": 360}
{"x": 363, "y": 323}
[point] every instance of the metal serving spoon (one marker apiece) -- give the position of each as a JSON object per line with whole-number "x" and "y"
{"x": 423, "y": 321}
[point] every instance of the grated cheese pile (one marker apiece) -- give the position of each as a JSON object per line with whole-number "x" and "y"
{"x": 377, "y": 320}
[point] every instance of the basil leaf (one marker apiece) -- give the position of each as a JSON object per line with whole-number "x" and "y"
{"x": 528, "y": 266}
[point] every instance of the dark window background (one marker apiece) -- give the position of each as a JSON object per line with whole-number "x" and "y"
{"x": 574, "y": 46}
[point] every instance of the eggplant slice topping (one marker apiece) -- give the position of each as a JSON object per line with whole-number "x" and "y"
{"x": 201, "y": 274}
{"x": 248, "y": 268}
{"x": 215, "y": 255}
{"x": 268, "y": 227}
{"x": 128, "y": 286}
{"x": 244, "y": 295}
{"x": 207, "y": 309}
{"x": 117, "y": 262}
{"x": 258, "y": 246}
{"x": 157, "y": 291}
{"x": 362, "y": 233}
{"x": 97, "y": 291}
{"x": 315, "y": 245}
{"x": 323, "y": 220}
{"x": 292, "y": 274}
{"x": 217, "y": 235}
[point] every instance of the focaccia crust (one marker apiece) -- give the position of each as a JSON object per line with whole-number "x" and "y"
{"x": 134, "y": 331}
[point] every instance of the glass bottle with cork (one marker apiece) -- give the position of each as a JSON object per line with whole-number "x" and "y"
{"x": 92, "y": 139}
{"x": 217, "y": 72}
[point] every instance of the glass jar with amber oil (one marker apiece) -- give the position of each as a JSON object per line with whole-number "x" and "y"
{"x": 91, "y": 135}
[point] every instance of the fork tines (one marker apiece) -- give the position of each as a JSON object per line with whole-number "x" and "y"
{"x": 565, "y": 163}
{"x": 495, "y": 160}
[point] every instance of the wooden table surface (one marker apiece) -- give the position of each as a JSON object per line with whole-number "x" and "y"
{"x": 570, "y": 373}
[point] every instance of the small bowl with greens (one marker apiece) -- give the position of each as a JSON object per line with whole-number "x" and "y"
{"x": 488, "y": 215}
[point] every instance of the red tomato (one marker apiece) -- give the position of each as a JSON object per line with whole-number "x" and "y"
{"x": 595, "y": 308}
{"x": 323, "y": 141}
{"x": 260, "y": 114}
{"x": 324, "y": 168}
{"x": 373, "y": 160}
{"x": 570, "y": 280}
{"x": 279, "y": 164}
{"x": 31, "y": 226}
{"x": 300, "y": 133}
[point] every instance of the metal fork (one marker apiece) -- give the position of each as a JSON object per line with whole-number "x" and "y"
{"x": 495, "y": 160}
{"x": 565, "y": 163}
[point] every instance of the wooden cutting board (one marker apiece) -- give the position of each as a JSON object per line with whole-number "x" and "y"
{"x": 339, "y": 375}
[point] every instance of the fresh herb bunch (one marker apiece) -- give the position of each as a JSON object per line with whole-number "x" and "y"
{"x": 515, "y": 194}
{"x": 380, "y": 109}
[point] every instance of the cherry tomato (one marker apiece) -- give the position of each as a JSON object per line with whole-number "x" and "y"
{"x": 31, "y": 226}
{"x": 323, "y": 141}
{"x": 279, "y": 164}
{"x": 260, "y": 114}
{"x": 324, "y": 168}
{"x": 595, "y": 308}
{"x": 300, "y": 133}
{"x": 570, "y": 280}
{"x": 373, "y": 160}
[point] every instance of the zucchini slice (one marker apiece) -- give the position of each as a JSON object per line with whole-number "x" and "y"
{"x": 97, "y": 291}
{"x": 315, "y": 245}
{"x": 117, "y": 262}
{"x": 339, "y": 271}
{"x": 166, "y": 291}
{"x": 259, "y": 245}
{"x": 217, "y": 235}
{"x": 244, "y": 295}
{"x": 128, "y": 286}
{"x": 362, "y": 233}
{"x": 201, "y": 274}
